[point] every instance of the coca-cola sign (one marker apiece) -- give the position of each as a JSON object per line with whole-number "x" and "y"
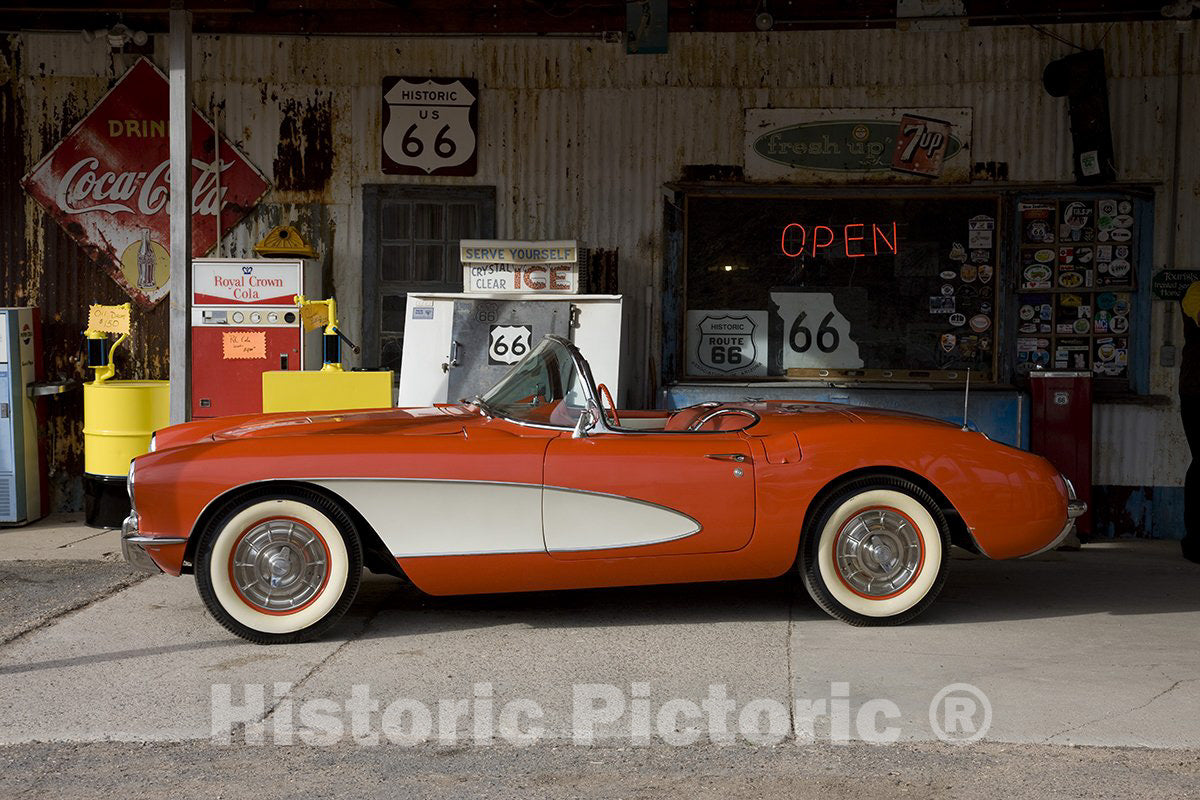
{"x": 108, "y": 184}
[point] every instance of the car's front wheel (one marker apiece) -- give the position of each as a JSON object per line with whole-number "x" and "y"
{"x": 875, "y": 552}
{"x": 279, "y": 568}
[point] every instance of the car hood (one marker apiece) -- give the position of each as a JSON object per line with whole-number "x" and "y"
{"x": 425, "y": 421}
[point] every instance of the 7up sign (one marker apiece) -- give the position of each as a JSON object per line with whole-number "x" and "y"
{"x": 429, "y": 126}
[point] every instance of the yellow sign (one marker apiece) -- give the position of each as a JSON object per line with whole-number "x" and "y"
{"x": 244, "y": 344}
{"x": 314, "y": 316}
{"x": 109, "y": 319}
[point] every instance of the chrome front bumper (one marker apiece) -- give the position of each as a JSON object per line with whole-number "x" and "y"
{"x": 133, "y": 545}
{"x": 1076, "y": 508}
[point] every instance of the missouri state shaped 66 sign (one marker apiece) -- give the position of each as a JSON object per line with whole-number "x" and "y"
{"x": 429, "y": 126}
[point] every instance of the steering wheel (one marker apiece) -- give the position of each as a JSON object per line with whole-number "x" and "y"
{"x": 602, "y": 390}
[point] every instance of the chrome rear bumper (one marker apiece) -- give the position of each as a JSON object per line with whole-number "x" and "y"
{"x": 133, "y": 545}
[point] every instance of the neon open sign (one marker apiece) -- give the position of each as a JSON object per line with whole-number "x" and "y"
{"x": 856, "y": 240}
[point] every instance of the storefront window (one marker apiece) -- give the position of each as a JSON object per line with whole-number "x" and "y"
{"x": 1077, "y": 263}
{"x": 900, "y": 287}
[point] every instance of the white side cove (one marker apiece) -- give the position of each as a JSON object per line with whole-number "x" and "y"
{"x": 577, "y": 520}
{"x": 447, "y": 518}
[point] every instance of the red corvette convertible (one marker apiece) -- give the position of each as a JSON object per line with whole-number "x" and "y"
{"x": 541, "y": 483}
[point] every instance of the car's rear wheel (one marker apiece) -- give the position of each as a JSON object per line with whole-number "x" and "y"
{"x": 279, "y": 568}
{"x": 875, "y": 552}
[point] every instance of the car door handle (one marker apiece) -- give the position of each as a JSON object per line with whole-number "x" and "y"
{"x": 726, "y": 456}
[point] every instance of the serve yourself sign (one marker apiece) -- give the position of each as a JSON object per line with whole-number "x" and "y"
{"x": 494, "y": 266}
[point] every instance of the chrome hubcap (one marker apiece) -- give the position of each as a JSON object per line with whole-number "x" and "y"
{"x": 280, "y": 565}
{"x": 878, "y": 552}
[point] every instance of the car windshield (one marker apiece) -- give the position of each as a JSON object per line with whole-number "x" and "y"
{"x": 544, "y": 388}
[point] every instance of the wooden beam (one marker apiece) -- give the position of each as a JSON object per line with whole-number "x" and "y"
{"x": 179, "y": 48}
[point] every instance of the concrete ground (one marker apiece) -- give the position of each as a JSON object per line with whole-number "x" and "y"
{"x": 1087, "y": 661}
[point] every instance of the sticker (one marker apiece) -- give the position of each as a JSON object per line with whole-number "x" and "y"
{"x": 958, "y": 320}
{"x": 1118, "y": 269}
{"x": 947, "y": 290}
{"x": 941, "y": 305}
{"x": 1081, "y": 326}
{"x": 958, "y": 252}
{"x": 508, "y": 344}
{"x": 1108, "y": 208}
{"x": 1037, "y": 273}
{"x": 1122, "y": 305}
{"x": 1121, "y": 234}
{"x": 1102, "y": 236}
{"x": 985, "y": 308}
{"x": 1076, "y": 214}
{"x": 1083, "y": 255}
{"x": 1124, "y": 207}
{"x": 1070, "y": 280}
{"x": 949, "y": 275}
{"x": 981, "y": 222}
{"x": 985, "y": 273}
{"x": 1044, "y": 256}
{"x": 1037, "y": 223}
{"x": 1121, "y": 251}
{"x": 1118, "y": 324}
{"x": 1070, "y": 301}
{"x": 1106, "y": 351}
{"x": 1105, "y": 300}
{"x": 238, "y": 345}
{"x": 1028, "y": 327}
{"x": 977, "y": 240}
{"x": 967, "y": 346}
{"x": 1027, "y": 345}
{"x": 1026, "y": 312}
{"x": 980, "y": 323}
{"x": 948, "y": 341}
{"x": 985, "y": 343}
{"x": 981, "y": 256}
{"x": 1122, "y": 221}
{"x": 1104, "y": 252}
{"x": 969, "y": 272}
{"x": 422, "y": 313}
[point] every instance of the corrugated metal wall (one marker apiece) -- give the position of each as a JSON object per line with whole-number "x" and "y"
{"x": 579, "y": 138}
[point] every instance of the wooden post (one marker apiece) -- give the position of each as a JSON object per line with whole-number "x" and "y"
{"x": 180, "y": 131}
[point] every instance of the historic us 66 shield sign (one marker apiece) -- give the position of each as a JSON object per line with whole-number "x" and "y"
{"x": 429, "y": 126}
{"x": 726, "y": 342}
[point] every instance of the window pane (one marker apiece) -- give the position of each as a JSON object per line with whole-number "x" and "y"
{"x": 396, "y": 262}
{"x": 393, "y": 312}
{"x": 460, "y": 222}
{"x": 429, "y": 258}
{"x": 390, "y": 350}
{"x": 394, "y": 221}
{"x": 427, "y": 221}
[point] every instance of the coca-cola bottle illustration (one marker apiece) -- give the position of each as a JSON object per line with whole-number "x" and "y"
{"x": 145, "y": 262}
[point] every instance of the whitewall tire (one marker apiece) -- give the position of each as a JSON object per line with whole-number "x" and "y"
{"x": 278, "y": 568}
{"x": 875, "y": 552}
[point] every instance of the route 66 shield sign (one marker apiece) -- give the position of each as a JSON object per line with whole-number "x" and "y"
{"x": 727, "y": 342}
{"x": 429, "y": 126}
{"x": 508, "y": 344}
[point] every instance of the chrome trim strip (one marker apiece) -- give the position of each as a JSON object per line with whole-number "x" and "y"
{"x": 153, "y": 540}
{"x": 471, "y": 553}
{"x": 625, "y": 546}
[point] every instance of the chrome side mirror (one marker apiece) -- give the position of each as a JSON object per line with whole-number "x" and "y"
{"x": 587, "y": 421}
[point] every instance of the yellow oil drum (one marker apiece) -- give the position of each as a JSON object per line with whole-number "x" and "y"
{"x": 118, "y": 419}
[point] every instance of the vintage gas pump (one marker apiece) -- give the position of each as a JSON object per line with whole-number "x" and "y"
{"x": 245, "y": 322}
{"x": 331, "y": 387}
{"x": 119, "y": 416}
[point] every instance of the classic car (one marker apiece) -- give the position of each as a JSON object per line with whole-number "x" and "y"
{"x": 542, "y": 483}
